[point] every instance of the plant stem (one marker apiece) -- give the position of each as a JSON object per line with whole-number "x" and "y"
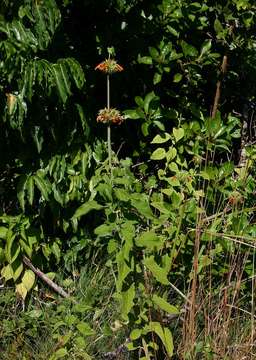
{"x": 109, "y": 128}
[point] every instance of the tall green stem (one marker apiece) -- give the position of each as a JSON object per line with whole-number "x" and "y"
{"x": 109, "y": 128}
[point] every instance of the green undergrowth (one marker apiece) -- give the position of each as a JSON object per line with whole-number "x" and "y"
{"x": 49, "y": 327}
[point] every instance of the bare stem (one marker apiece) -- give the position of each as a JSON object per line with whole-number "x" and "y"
{"x": 218, "y": 86}
{"x": 109, "y": 128}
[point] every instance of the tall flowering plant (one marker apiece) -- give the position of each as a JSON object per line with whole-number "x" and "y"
{"x": 109, "y": 115}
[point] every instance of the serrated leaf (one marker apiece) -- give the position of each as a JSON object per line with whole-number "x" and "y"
{"x": 86, "y": 208}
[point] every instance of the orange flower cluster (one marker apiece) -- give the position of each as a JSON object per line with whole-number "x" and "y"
{"x": 110, "y": 116}
{"x": 109, "y": 66}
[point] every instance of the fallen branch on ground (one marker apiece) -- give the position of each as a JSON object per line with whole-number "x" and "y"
{"x": 45, "y": 278}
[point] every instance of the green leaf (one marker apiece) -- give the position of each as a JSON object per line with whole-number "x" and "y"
{"x": 188, "y": 50}
{"x": 154, "y": 53}
{"x": 30, "y": 189}
{"x": 86, "y": 208}
{"x": 171, "y": 154}
{"x": 157, "y": 78}
{"x": 85, "y": 329}
{"x": 145, "y": 60}
{"x": 56, "y": 251}
{"x": 135, "y": 334}
{"x": 218, "y": 26}
{"x": 123, "y": 270}
{"x": 21, "y": 290}
{"x": 206, "y": 47}
{"x": 173, "y": 167}
{"x": 164, "y": 334}
{"x": 3, "y": 232}
{"x": 159, "y": 273}
{"x": 142, "y": 206}
{"x": 21, "y": 190}
{"x": 28, "y": 279}
{"x": 17, "y": 269}
{"x": 144, "y": 128}
{"x": 149, "y": 240}
{"x": 164, "y": 305}
{"x": 148, "y": 98}
{"x": 122, "y": 194}
{"x": 178, "y": 134}
{"x": 7, "y": 272}
{"x": 62, "y": 352}
{"x": 132, "y": 114}
{"x": 158, "y": 154}
{"x": 160, "y": 139}
{"x": 104, "y": 229}
{"x": 62, "y": 81}
{"x": 177, "y": 78}
{"x": 42, "y": 186}
{"x": 127, "y": 301}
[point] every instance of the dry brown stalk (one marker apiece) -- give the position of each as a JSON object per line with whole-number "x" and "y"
{"x": 218, "y": 86}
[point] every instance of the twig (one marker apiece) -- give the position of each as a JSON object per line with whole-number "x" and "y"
{"x": 45, "y": 278}
{"x": 242, "y": 310}
{"x": 218, "y": 86}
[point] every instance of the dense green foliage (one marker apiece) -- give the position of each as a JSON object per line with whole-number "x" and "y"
{"x": 171, "y": 216}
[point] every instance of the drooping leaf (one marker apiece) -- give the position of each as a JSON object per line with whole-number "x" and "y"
{"x": 164, "y": 334}
{"x": 159, "y": 273}
{"x": 86, "y": 208}
{"x": 127, "y": 301}
{"x": 164, "y": 305}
